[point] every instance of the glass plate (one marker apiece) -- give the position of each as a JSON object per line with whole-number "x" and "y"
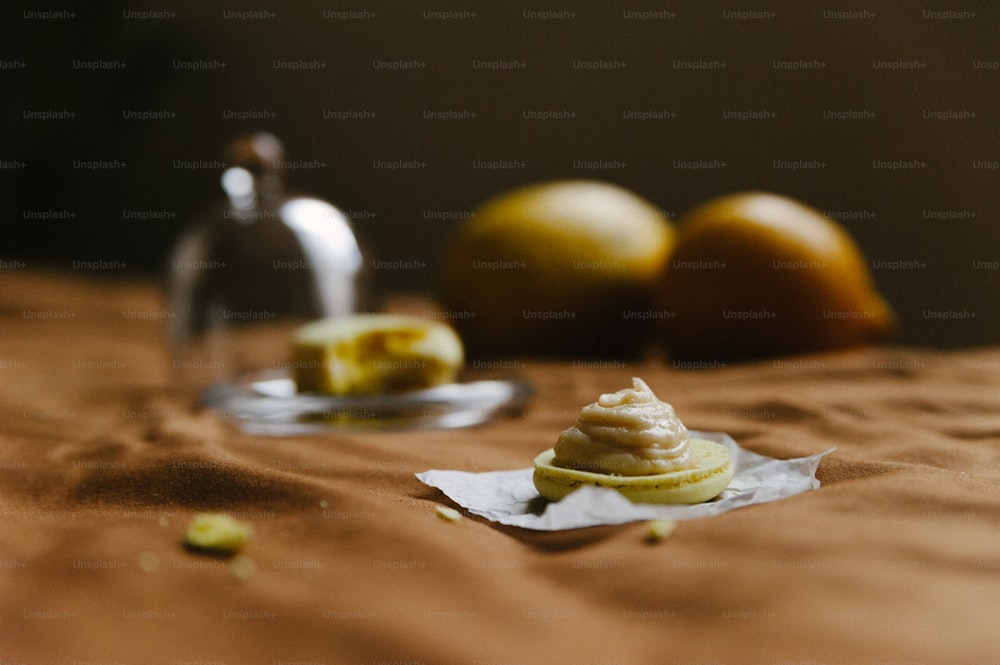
{"x": 266, "y": 403}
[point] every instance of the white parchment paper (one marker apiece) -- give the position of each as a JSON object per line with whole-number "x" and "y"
{"x": 510, "y": 497}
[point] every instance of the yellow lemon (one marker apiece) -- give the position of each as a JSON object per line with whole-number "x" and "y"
{"x": 558, "y": 268}
{"x": 757, "y": 274}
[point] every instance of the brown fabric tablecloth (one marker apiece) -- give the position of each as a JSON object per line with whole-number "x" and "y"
{"x": 896, "y": 558}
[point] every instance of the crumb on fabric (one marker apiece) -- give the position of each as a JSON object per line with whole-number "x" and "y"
{"x": 658, "y": 530}
{"x": 448, "y": 514}
{"x": 217, "y": 532}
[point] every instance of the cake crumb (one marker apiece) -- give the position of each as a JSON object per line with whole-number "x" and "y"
{"x": 242, "y": 567}
{"x": 148, "y": 562}
{"x": 659, "y": 530}
{"x": 217, "y": 532}
{"x": 448, "y": 514}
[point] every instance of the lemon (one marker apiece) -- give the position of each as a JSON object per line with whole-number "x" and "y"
{"x": 758, "y": 274}
{"x": 563, "y": 267}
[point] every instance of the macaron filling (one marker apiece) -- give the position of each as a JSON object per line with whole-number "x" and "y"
{"x": 627, "y": 433}
{"x": 633, "y": 442}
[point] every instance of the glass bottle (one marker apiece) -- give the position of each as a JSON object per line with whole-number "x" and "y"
{"x": 257, "y": 265}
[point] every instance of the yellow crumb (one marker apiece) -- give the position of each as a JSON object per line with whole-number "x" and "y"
{"x": 660, "y": 530}
{"x": 218, "y": 532}
{"x": 242, "y": 567}
{"x": 448, "y": 514}
{"x": 148, "y": 562}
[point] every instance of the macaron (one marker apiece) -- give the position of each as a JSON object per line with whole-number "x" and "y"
{"x": 375, "y": 354}
{"x": 705, "y": 481}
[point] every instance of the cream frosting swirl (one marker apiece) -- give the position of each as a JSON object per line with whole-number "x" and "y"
{"x": 627, "y": 433}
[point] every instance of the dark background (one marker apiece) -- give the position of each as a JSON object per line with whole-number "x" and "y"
{"x": 939, "y": 217}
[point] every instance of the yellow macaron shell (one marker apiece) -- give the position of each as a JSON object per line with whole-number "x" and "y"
{"x": 705, "y": 481}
